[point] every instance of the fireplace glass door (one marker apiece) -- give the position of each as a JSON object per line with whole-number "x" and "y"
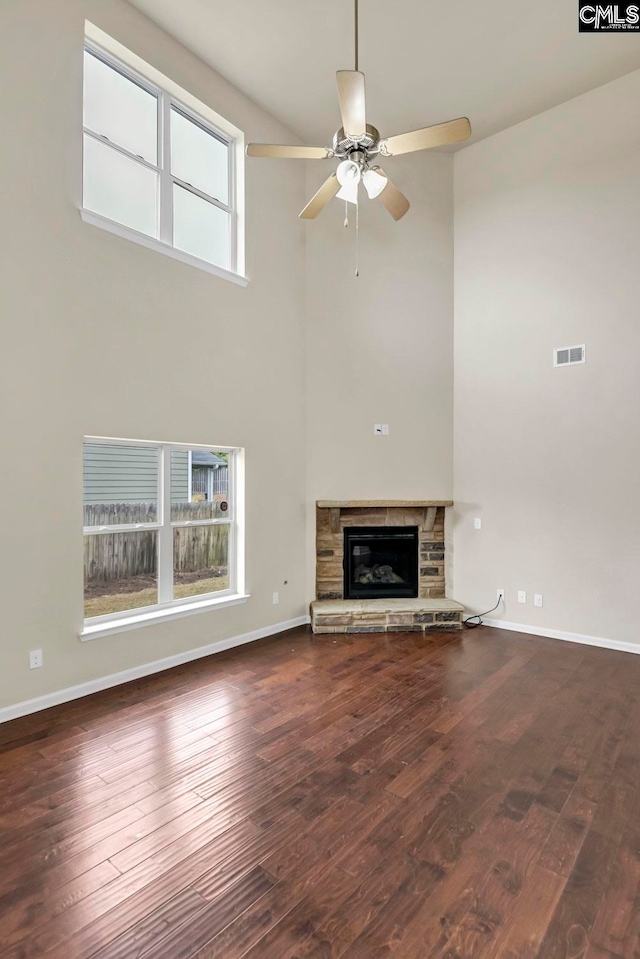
{"x": 380, "y": 562}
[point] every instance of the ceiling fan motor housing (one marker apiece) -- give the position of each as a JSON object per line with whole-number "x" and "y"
{"x": 344, "y": 146}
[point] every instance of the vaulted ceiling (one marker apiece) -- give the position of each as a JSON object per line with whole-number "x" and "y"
{"x": 495, "y": 61}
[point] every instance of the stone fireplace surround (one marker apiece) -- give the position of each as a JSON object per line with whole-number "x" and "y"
{"x": 331, "y": 613}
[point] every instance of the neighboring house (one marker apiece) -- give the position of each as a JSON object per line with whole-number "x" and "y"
{"x": 209, "y": 475}
{"x": 129, "y": 474}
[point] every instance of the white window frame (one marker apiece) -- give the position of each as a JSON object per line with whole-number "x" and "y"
{"x": 190, "y": 475}
{"x": 167, "y": 606}
{"x": 171, "y": 97}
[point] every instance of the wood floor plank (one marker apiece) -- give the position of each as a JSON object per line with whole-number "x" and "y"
{"x": 182, "y": 943}
{"x": 149, "y": 932}
{"x": 616, "y": 930}
{"x": 571, "y": 925}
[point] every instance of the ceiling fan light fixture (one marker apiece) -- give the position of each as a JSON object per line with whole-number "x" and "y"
{"x": 374, "y": 182}
{"x": 348, "y": 192}
{"x": 349, "y": 177}
{"x": 348, "y": 173}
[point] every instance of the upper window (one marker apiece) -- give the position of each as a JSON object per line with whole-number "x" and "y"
{"x": 156, "y": 167}
{"x": 160, "y": 526}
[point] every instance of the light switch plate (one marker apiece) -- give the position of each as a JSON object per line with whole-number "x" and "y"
{"x": 477, "y": 523}
{"x": 381, "y": 429}
{"x": 537, "y": 599}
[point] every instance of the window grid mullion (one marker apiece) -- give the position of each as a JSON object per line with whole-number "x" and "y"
{"x": 166, "y": 186}
{"x": 190, "y": 188}
{"x": 233, "y": 225}
{"x": 165, "y": 536}
{"x": 232, "y": 545}
{"x": 187, "y": 523}
{"x": 120, "y": 528}
{"x": 101, "y": 138}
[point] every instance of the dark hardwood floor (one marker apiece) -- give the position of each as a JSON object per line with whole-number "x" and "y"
{"x": 459, "y": 796}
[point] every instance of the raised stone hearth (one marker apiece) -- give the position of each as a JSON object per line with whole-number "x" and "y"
{"x": 429, "y": 610}
{"x": 385, "y": 615}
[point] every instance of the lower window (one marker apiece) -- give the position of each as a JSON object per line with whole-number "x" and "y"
{"x": 160, "y": 526}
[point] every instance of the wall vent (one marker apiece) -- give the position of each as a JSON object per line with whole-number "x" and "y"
{"x": 570, "y": 355}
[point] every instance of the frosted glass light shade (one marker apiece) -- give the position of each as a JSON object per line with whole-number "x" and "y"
{"x": 348, "y": 174}
{"x": 348, "y": 192}
{"x": 374, "y": 183}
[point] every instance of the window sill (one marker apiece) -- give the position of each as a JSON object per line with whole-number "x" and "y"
{"x": 151, "y": 243}
{"x": 137, "y": 620}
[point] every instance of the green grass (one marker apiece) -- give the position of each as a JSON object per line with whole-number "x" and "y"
{"x": 122, "y": 602}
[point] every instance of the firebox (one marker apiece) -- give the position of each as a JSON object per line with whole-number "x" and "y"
{"x": 380, "y": 561}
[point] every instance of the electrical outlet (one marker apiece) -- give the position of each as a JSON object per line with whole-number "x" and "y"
{"x": 276, "y": 599}
{"x": 477, "y": 523}
{"x": 35, "y": 659}
{"x": 522, "y": 596}
{"x": 537, "y": 599}
{"x": 501, "y": 596}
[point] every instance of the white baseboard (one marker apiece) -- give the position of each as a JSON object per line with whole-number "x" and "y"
{"x": 565, "y": 636}
{"x": 138, "y": 672}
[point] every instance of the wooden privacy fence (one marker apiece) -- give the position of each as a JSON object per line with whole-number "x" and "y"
{"x": 113, "y": 556}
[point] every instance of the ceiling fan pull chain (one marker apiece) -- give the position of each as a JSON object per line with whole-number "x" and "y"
{"x": 357, "y": 237}
{"x": 346, "y": 214}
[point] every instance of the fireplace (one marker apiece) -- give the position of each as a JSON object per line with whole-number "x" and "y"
{"x": 380, "y": 562}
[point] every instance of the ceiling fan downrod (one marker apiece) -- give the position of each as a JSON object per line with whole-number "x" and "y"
{"x": 355, "y": 4}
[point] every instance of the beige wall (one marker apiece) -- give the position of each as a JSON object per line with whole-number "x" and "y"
{"x": 379, "y": 347}
{"x": 104, "y": 337}
{"x": 547, "y": 247}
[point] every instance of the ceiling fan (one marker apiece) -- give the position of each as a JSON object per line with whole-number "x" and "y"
{"x": 358, "y": 145}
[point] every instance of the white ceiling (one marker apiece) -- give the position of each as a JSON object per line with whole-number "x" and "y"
{"x": 497, "y": 62}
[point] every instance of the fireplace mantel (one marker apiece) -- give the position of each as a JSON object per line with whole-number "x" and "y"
{"x": 383, "y": 503}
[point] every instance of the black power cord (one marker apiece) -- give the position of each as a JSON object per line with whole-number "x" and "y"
{"x": 467, "y": 622}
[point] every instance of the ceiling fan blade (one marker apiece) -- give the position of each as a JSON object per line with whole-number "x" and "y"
{"x": 438, "y": 135}
{"x": 318, "y": 202}
{"x": 352, "y": 102}
{"x": 391, "y": 197}
{"x": 287, "y": 152}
